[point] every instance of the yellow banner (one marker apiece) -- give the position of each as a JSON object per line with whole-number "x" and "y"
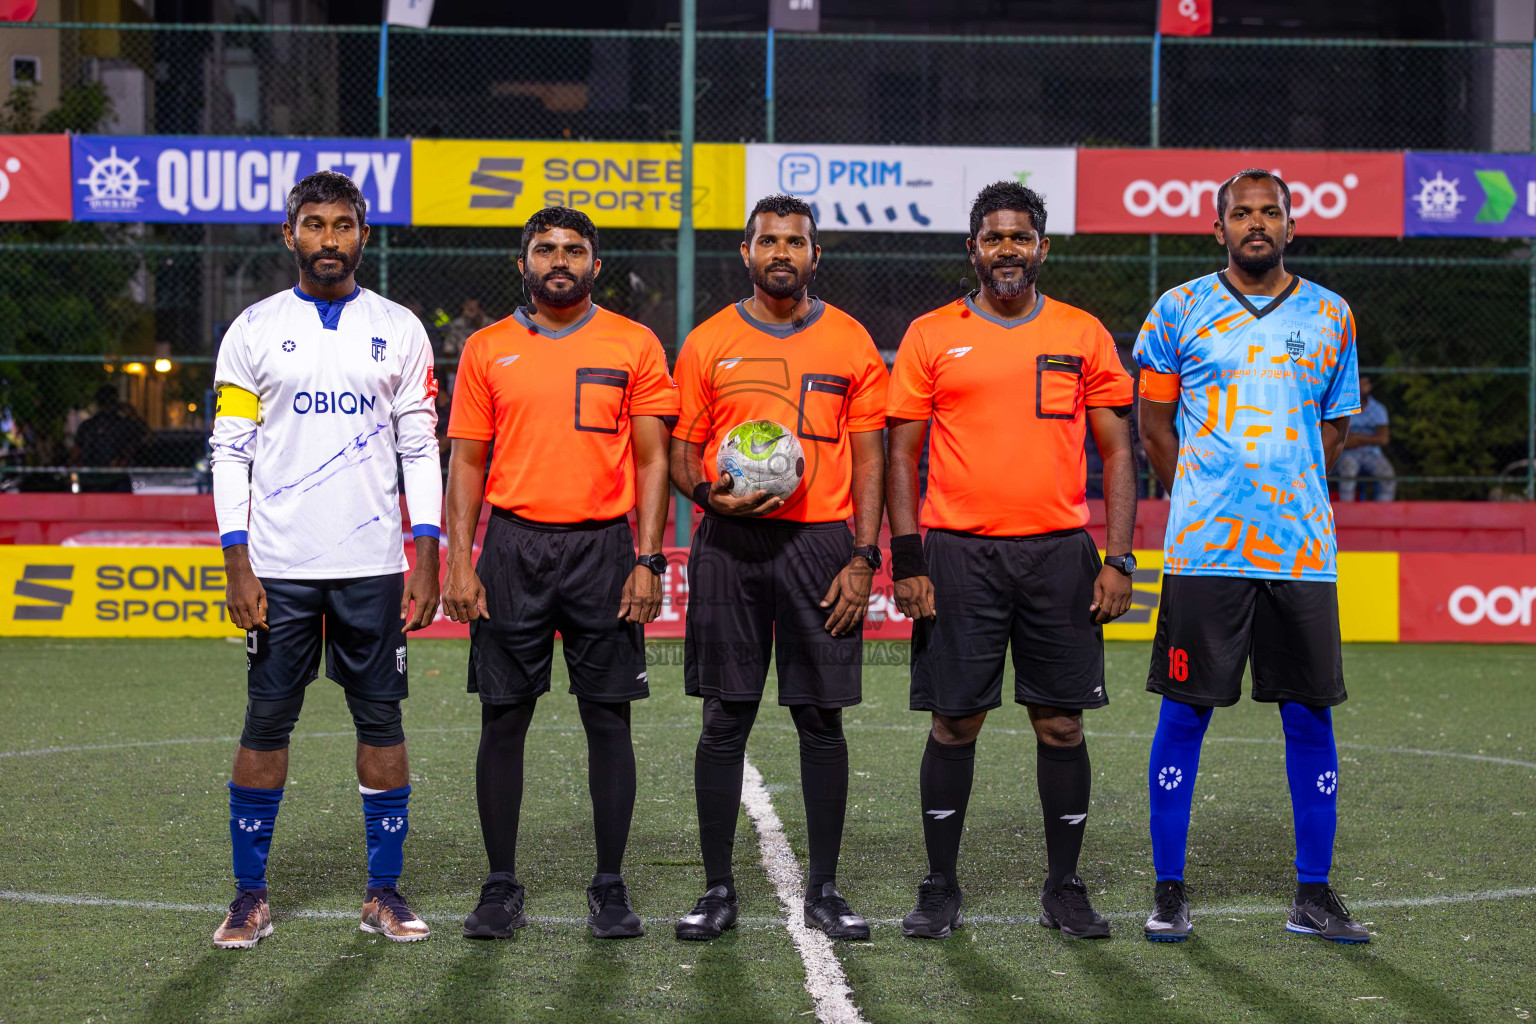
{"x": 497, "y": 182}
{"x": 121, "y": 592}
{"x": 1367, "y": 598}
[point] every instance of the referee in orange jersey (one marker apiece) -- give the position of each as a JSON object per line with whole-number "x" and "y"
{"x": 1010, "y": 380}
{"x": 569, "y": 401}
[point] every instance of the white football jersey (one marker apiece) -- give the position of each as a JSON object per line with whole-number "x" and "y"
{"x": 342, "y": 388}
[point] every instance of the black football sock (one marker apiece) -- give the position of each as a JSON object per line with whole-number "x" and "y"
{"x": 944, "y": 785}
{"x": 1065, "y": 779}
{"x": 611, "y": 781}
{"x": 717, "y": 768}
{"x": 499, "y": 780}
{"x": 824, "y": 786}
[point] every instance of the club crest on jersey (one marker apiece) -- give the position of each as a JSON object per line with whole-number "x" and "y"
{"x": 400, "y": 660}
{"x": 1294, "y": 346}
{"x": 378, "y": 350}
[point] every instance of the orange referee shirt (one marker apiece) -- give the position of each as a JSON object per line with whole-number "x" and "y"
{"x": 556, "y": 405}
{"x": 822, "y": 381}
{"x": 1008, "y": 401}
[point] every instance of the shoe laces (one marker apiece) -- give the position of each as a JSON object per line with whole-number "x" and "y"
{"x": 498, "y": 891}
{"x": 1330, "y": 902}
{"x": 612, "y": 892}
{"x": 931, "y": 897}
{"x": 244, "y": 905}
{"x": 1074, "y": 894}
{"x": 1170, "y": 900}
{"x": 392, "y": 899}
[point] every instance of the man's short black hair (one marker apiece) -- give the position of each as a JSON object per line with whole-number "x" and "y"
{"x": 1008, "y": 195}
{"x": 559, "y": 217}
{"x": 780, "y": 206}
{"x": 1224, "y": 193}
{"x": 324, "y": 187}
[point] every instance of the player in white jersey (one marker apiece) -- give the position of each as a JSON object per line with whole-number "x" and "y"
{"x": 320, "y": 389}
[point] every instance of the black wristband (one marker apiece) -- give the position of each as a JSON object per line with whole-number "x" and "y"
{"x": 907, "y": 557}
{"x": 701, "y": 495}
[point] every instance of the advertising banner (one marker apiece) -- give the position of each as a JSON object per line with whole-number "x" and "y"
{"x": 499, "y": 182}
{"x": 1463, "y": 194}
{"x": 1468, "y": 598}
{"x": 60, "y": 591}
{"x": 210, "y": 180}
{"x": 34, "y": 177}
{"x": 909, "y": 188}
{"x": 1173, "y": 191}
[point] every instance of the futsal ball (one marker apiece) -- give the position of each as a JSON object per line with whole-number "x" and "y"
{"x": 761, "y": 455}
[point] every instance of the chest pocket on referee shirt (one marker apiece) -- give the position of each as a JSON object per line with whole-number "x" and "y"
{"x": 822, "y": 397}
{"x": 1058, "y": 386}
{"x": 600, "y": 398}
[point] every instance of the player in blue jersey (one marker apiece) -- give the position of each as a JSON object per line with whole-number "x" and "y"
{"x": 1248, "y": 380}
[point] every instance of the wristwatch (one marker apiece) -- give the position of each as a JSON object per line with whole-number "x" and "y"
{"x": 871, "y": 554}
{"x": 1125, "y": 564}
{"x": 657, "y": 563}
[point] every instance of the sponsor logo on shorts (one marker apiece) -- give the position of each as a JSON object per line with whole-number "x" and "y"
{"x": 400, "y": 660}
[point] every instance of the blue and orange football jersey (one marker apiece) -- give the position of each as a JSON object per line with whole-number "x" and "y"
{"x": 1254, "y": 378}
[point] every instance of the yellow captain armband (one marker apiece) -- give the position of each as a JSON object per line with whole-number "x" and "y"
{"x": 236, "y": 401}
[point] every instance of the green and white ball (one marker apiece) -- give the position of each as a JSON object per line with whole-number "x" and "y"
{"x": 761, "y": 455}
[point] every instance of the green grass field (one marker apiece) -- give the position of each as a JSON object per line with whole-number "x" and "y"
{"x": 114, "y": 755}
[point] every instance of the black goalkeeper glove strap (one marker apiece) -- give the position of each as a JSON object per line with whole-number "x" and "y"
{"x": 907, "y": 557}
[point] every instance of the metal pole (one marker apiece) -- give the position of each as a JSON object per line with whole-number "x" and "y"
{"x": 1157, "y": 74}
{"x": 381, "y": 232}
{"x": 768, "y": 91}
{"x": 683, "y": 517}
{"x": 1530, "y": 380}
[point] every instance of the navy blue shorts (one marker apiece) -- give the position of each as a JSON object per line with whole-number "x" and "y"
{"x": 359, "y": 620}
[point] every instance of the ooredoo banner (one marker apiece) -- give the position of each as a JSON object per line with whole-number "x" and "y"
{"x": 34, "y": 177}
{"x": 1468, "y": 598}
{"x": 1173, "y": 191}
{"x": 909, "y": 188}
{"x": 210, "y": 180}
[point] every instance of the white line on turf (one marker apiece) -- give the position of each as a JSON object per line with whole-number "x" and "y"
{"x": 86, "y": 748}
{"x": 1409, "y": 902}
{"x": 824, "y": 978}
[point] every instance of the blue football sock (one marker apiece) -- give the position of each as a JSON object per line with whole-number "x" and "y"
{"x": 1312, "y": 767}
{"x": 1171, "y": 774}
{"x": 252, "y": 813}
{"x": 387, "y": 814}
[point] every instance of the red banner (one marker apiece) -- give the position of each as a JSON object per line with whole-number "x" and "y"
{"x": 1173, "y": 191}
{"x": 1467, "y": 598}
{"x": 1185, "y": 18}
{"x": 34, "y": 177}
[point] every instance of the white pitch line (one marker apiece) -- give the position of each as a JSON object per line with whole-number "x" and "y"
{"x": 824, "y": 978}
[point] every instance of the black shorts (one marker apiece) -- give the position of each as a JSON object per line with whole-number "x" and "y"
{"x": 360, "y": 621}
{"x": 543, "y": 577}
{"x": 988, "y": 591}
{"x": 1208, "y": 626}
{"x": 754, "y": 596}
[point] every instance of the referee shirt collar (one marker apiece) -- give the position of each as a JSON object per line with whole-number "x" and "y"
{"x": 586, "y": 318}
{"x": 970, "y": 303}
{"x": 783, "y": 330}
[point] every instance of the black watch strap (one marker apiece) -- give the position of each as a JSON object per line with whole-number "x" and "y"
{"x": 870, "y": 553}
{"x": 657, "y": 563}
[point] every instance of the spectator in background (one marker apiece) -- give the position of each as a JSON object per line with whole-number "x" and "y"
{"x": 470, "y": 319}
{"x": 109, "y": 438}
{"x": 1368, "y": 431}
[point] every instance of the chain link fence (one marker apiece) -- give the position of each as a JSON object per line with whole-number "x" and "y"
{"x": 1446, "y": 326}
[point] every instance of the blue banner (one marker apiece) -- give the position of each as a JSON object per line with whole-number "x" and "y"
{"x": 210, "y": 180}
{"x": 1466, "y": 194}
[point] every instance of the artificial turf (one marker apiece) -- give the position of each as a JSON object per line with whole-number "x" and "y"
{"x": 1438, "y": 779}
